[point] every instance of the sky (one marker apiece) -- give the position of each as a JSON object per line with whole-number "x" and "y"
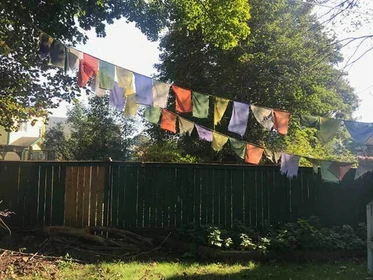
{"x": 125, "y": 46}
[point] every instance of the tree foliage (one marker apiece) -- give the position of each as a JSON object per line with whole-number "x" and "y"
{"x": 28, "y": 86}
{"x": 97, "y": 133}
{"x": 287, "y": 63}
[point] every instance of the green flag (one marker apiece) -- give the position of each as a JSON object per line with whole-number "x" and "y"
{"x": 239, "y": 147}
{"x": 153, "y": 114}
{"x": 200, "y": 105}
{"x": 106, "y": 74}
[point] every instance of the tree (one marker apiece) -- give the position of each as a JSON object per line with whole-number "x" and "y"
{"x": 29, "y": 87}
{"x": 287, "y": 63}
{"x": 97, "y": 133}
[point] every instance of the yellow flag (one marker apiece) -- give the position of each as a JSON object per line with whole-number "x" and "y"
{"x": 131, "y": 106}
{"x": 218, "y": 141}
{"x": 219, "y": 108}
{"x": 126, "y": 80}
{"x": 185, "y": 126}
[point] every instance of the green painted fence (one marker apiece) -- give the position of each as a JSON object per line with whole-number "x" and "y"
{"x": 171, "y": 195}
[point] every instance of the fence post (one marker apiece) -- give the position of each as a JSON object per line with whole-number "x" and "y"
{"x": 369, "y": 237}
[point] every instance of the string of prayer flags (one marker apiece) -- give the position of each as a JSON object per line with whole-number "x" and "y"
{"x": 57, "y": 54}
{"x": 264, "y": 116}
{"x": 239, "y": 147}
{"x": 327, "y": 127}
{"x": 289, "y": 165}
{"x": 200, "y": 105}
{"x": 168, "y": 121}
{"x": 203, "y": 133}
{"x": 160, "y": 93}
{"x": 125, "y": 80}
{"x": 365, "y": 165}
{"x": 106, "y": 74}
{"x": 281, "y": 121}
{"x": 183, "y": 99}
{"x": 144, "y": 91}
{"x": 131, "y": 106}
{"x": 185, "y": 126}
{"x": 152, "y": 114}
{"x": 361, "y": 132}
{"x": 218, "y": 141}
{"x": 116, "y": 97}
{"x": 239, "y": 118}
{"x": 220, "y": 105}
{"x": 253, "y": 154}
{"x": 73, "y": 58}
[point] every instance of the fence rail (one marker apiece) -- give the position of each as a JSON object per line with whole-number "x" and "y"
{"x": 156, "y": 195}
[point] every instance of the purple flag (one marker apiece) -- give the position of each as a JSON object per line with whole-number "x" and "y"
{"x": 144, "y": 92}
{"x": 116, "y": 98}
{"x": 289, "y": 165}
{"x": 240, "y": 115}
{"x": 204, "y": 134}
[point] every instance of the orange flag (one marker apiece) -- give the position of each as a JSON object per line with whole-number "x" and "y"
{"x": 253, "y": 154}
{"x": 168, "y": 121}
{"x": 281, "y": 121}
{"x": 183, "y": 99}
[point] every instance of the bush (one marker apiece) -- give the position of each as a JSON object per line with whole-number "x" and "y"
{"x": 299, "y": 235}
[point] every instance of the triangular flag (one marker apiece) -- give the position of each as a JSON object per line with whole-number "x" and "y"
{"x": 253, "y": 154}
{"x": 239, "y": 147}
{"x": 185, "y": 126}
{"x": 203, "y": 133}
{"x": 240, "y": 114}
{"x": 220, "y": 105}
{"x": 218, "y": 141}
{"x": 264, "y": 116}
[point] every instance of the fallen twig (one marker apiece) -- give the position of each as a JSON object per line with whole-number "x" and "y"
{"x": 152, "y": 250}
{"x": 43, "y": 256}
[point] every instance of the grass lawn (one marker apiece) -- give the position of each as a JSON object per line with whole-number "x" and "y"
{"x": 184, "y": 270}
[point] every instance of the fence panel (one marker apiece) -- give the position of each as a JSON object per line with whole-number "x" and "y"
{"x": 154, "y": 195}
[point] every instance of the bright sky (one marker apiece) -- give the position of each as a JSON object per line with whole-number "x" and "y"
{"x": 126, "y": 46}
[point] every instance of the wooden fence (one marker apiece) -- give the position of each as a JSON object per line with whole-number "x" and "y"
{"x": 147, "y": 195}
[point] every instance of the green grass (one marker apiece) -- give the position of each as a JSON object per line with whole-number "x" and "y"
{"x": 182, "y": 270}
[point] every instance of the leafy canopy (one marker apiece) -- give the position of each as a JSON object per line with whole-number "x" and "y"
{"x": 29, "y": 86}
{"x": 97, "y": 133}
{"x": 287, "y": 62}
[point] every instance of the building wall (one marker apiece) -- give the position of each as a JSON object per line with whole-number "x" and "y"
{"x": 27, "y": 130}
{"x": 3, "y": 136}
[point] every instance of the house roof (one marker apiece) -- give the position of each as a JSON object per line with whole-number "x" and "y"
{"x": 25, "y": 141}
